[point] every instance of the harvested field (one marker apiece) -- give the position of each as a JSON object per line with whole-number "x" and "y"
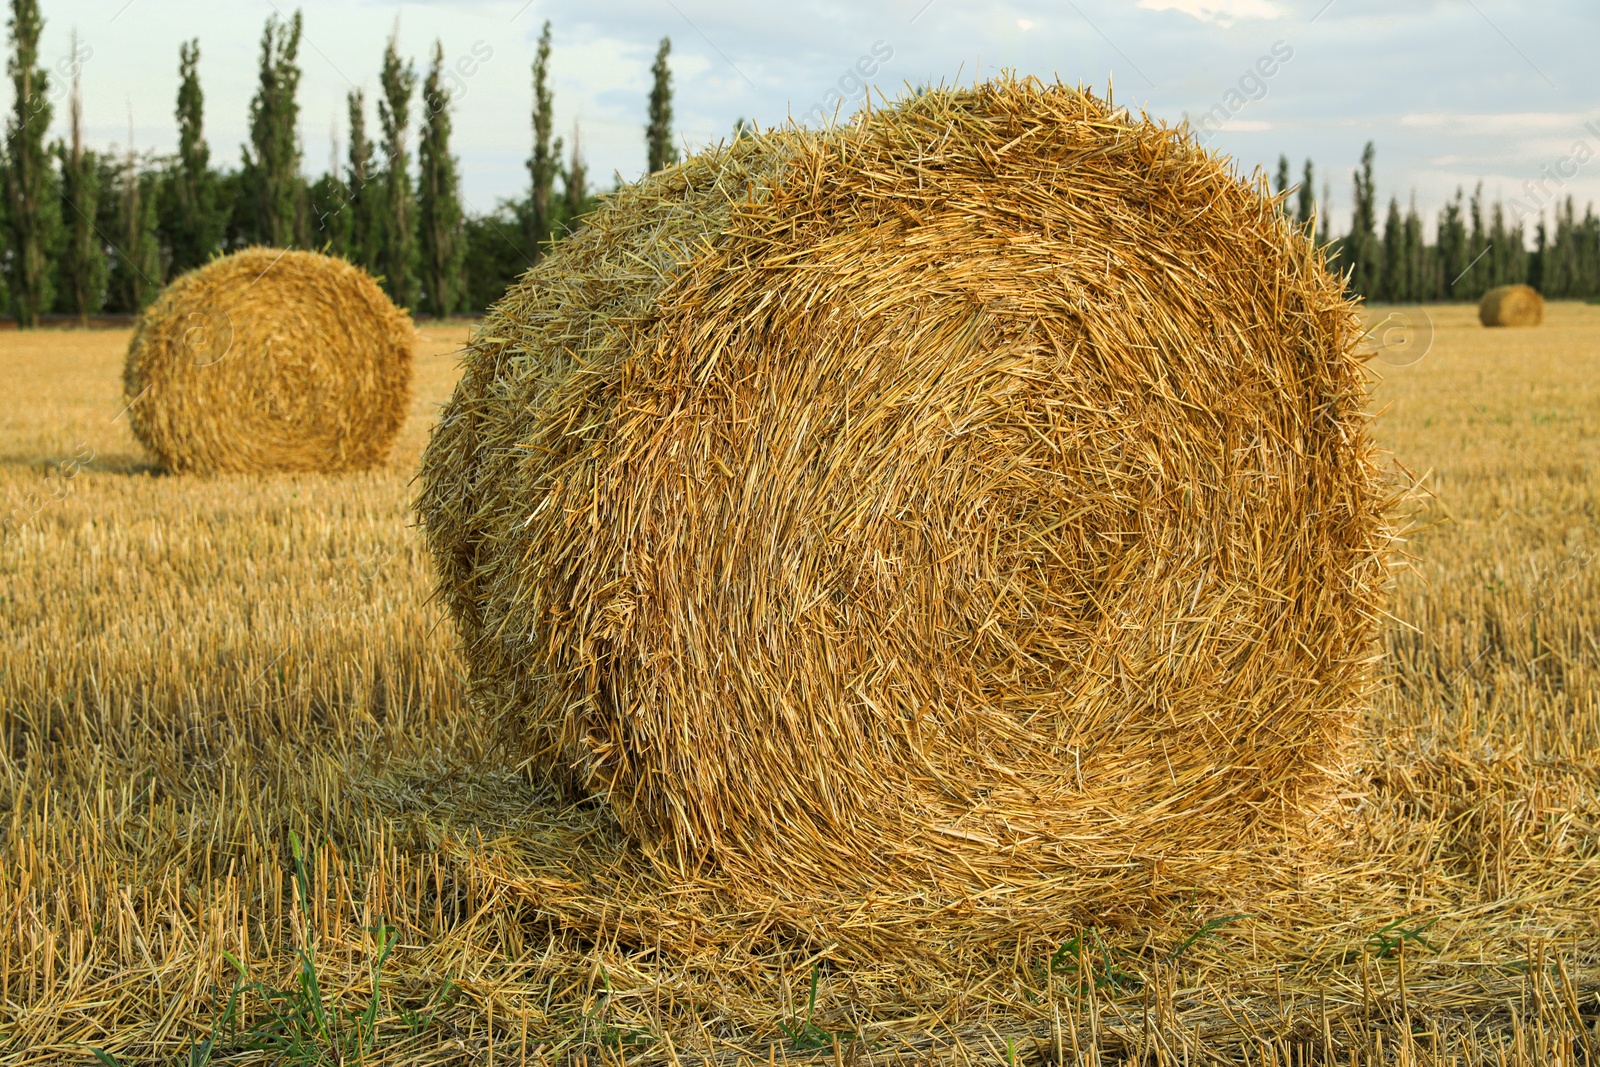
{"x": 198, "y": 674}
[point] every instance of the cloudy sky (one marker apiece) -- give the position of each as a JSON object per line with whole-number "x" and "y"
{"x": 1453, "y": 92}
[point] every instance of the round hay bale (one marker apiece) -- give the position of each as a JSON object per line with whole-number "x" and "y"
{"x": 977, "y": 496}
{"x": 1511, "y": 305}
{"x": 270, "y": 360}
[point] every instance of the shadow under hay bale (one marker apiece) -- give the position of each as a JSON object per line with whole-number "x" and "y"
{"x": 1511, "y": 305}
{"x": 270, "y": 360}
{"x": 971, "y": 507}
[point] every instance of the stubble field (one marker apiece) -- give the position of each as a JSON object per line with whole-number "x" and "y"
{"x": 245, "y": 812}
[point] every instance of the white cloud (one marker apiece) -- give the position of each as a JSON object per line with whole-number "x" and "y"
{"x": 1025, "y": 25}
{"x": 1222, "y": 12}
{"x": 1521, "y": 122}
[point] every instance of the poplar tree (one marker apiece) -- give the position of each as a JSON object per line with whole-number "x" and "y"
{"x": 1451, "y": 249}
{"x": 272, "y": 159}
{"x": 1360, "y": 253}
{"x": 439, "y": 210}
{"x": 1556, "y": 262}
{"x": 108, "y": 213}
{"x": 33, "y": 215}
{"x": 1508, "y": 250}
{"x": 1570, "y": 265}
{"x": 398, "y": 234}
{"x": 658, "y": 135}
{"x": 1306, "y": 205}
{"x": 193, "y": 224}
{"x": 1392, "y": 285}
{"x": 329, "y": 222}
{"x": 576, "y": 179}
{"x": 1541, "y": 248}
{"x": 1579, "y": 243}
{"x": 363, "y": 200}
{"x": 83, "y": 259}
{"x": 1585, "y": 238}
{"x": 1324, "y": 218}
{"x": 1474, "y": 277}
{"x": 1281, "y": 184}
{"x": 136, "y": 271}
{"x": 543, "y": 164}
{"x": 1419, "y": 279}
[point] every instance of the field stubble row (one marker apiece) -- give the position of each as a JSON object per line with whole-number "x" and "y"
{"x": 197, "y": 673}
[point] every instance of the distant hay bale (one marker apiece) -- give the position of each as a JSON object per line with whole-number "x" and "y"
{"x": 974, "y": 498}
{"x": 1511, "y": 305}
{"x": 269, "y": 360}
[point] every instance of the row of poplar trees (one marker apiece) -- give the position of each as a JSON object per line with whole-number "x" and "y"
{"x": 1476, "y": 246}
{"x": 87, "y": 232}
{"x": 503, "y": 243}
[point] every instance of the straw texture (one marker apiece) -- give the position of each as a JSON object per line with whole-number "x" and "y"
{"x": 270, "y": 360}
{"x": 971, "y": 506}
{"x": 1511, "y": 305}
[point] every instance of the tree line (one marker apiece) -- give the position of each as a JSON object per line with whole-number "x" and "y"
{"x": 1476, "y": 246}
{"x": 89, "y": 232}
{"x": 84, "y": 231}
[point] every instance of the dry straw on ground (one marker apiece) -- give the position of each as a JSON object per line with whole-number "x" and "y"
{"x": 966, "y": 515}
{"x": 270, "y": 360}
{"x": 151, "y": 774}
{"x": 1511, "y": 305}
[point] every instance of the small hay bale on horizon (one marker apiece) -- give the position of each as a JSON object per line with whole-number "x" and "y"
{"x": 972, "y": 507}
{"x": 1511, "y": 305}
{"x": 270, "y": 360}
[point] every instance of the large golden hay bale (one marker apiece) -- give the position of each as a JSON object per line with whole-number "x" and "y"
{"x": 1511, "y": 305}
{"x": 270, "y": 360}
{"x": 978, "y": 497}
